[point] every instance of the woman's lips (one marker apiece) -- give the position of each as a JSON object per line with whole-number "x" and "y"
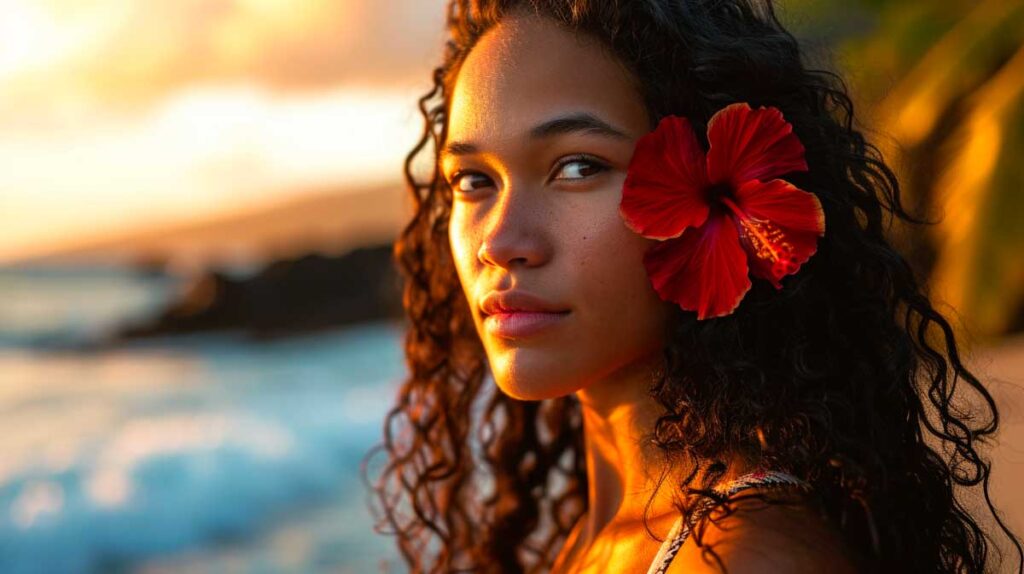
{"x": 516, "y": 324}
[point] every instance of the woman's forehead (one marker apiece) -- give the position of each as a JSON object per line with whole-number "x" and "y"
{"x": 529, "y": 69}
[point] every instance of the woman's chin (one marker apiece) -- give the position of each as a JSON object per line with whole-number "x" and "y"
{"x": 537, "y": 389}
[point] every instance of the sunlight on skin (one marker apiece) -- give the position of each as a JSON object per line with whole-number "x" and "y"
{"x": 523, "y": 219}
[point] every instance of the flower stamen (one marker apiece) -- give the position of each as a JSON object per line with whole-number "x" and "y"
{"x": 767, "y": 240}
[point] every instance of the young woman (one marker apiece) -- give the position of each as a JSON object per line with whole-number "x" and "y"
{"x": 662, "y": 237}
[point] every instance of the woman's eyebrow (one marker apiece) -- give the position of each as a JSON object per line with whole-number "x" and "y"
{"x": 569, "y": 123}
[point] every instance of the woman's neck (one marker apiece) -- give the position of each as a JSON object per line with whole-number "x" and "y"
{"x": 623, "y": 468}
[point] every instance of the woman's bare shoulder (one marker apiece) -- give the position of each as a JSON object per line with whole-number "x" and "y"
{"x": 765, "y": 539}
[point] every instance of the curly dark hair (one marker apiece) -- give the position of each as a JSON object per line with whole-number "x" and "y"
{"x": 478, "y": 481}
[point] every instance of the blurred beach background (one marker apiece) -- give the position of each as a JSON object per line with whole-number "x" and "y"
{"x": 200, "y": 328}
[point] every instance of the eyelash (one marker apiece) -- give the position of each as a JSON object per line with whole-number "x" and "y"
{"x": 594, "y": 162}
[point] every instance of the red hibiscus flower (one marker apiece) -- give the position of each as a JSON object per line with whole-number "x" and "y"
{"x": 721, "y": 217}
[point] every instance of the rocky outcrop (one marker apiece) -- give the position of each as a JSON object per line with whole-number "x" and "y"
{"x": 286, "y": 297}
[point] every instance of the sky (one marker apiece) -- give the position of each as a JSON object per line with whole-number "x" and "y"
{"x": 119, "y": 114}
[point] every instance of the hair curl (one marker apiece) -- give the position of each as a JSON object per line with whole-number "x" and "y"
{"x": 839, "y": 401}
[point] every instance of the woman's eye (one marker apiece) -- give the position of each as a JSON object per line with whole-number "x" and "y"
{"x": 577, "y": 168}
{"x": 580, "y": 168}
{"x": 459, "y": 179}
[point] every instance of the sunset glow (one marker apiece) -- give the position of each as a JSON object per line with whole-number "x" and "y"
{"x": 118, "y": 114}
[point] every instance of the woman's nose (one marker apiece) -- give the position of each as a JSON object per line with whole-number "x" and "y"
{"x": 517, "y": 231}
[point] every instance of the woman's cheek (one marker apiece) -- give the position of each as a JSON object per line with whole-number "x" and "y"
{"x": 463, "y": 251}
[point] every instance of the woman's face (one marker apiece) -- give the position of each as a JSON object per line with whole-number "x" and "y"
{"x": 541, "y": 129}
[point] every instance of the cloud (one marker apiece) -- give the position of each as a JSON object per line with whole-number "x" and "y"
{"x": 124, "y": 51}
{"x": 204, "y": 150}
{"x": 119, "y": 111}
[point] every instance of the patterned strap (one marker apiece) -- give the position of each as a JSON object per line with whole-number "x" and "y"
{"x": 679, "y": 532}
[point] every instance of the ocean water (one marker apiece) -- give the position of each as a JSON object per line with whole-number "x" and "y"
{"x": 197, "y": 454}
{"x": 210, "y": 454}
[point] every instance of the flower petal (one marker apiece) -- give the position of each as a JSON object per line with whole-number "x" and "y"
{"x": 779, "y": 227}
{"x": 704, "y": 270}
{"x": 747, "y": 144}
{"x": 663, "y": 192}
